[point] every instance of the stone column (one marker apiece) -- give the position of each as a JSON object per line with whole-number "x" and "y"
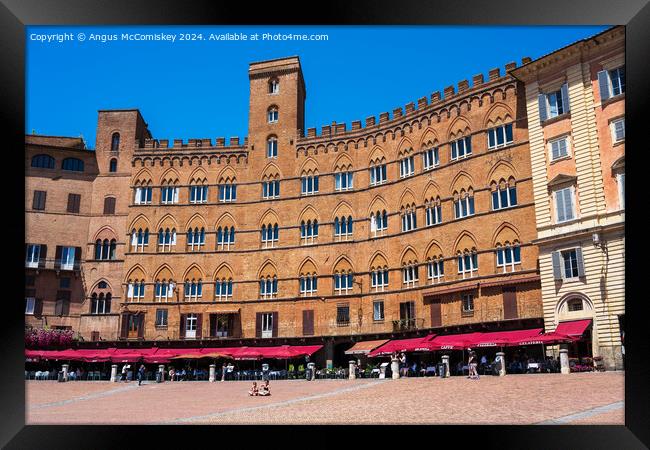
{"x": 394, "y": 367}
{"x": 65, "y": 372}
{"x": 161, "y": 369}
{"x": 213, "y": 373}
{"x": 445, "y": 361}
{"x": 501, "y": 362}
{"x": 564, "y": 359}
{"x": 114, "y": 373}
{"x": 352, "y": 369}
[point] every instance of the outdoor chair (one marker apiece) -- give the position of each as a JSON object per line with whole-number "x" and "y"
{"x": 32, "y": 375}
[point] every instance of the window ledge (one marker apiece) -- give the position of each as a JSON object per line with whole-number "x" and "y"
{"x": 561, "y": 158}
{"x": 556, "y": 119}
{"x": 612, "y": 100}
{"x": 617, "y": 143}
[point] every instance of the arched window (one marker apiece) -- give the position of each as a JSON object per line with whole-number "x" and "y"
{"x": 433, "y": 211}
{"x": 379, "y": 279}
{"x": 223, "y": 289}
{"x": 100, "y": 304}
{"x": 508, "y": 256}
{"x": 113, "y": 165}
{"x": 166, "y": 238}
{"x": 269, "y": 287}
{"x": 410, "y": 274}
{"x": 272, "y": 114}
{"x": 504, "y": 194}
{"x": 272, "y": 147}
{"x": 343, "y": 282}
{"x": 270, "y": 235}
{"x": 139, "y": 239}
{"x": 409, "y": 218}
{"x": 308, "y": 284}
{"x": 115, "y": 142}
{"x": 343, "y": 228}
{"x": 435, "y": 269}
{"x": 43, "y": 161}
{"x": 575, "y": 304}
{"x": 274, "y": 86}
{"x": 225, "y": 237}
{"x": 193, "y": 289}
{"x": 464, "y": 203}
{"x": 195, "y": 238}
{"x": 468, "y": 263}
{"x": 378, "y": 222}
{"x": 163, "y": 290}
{"x": 309, "y": 231}
{"x": 135, "y": 290}
{"x": 73, "y": 164}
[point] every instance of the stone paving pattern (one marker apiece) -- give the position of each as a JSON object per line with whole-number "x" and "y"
{"x": 514, "y": 399}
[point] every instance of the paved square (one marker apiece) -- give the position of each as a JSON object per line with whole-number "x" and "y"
{"x": 578, "y": 398}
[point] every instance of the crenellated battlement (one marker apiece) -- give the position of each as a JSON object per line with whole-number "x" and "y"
{"x": 449, "y": 95}
{"x": 194, "y": 144}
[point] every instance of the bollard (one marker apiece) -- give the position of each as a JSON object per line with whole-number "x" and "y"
{"x": 352, "y": 369}
{"x": 564, "y": 360}
{"x": 394, "y": 367}
{"x": 445, "y": 361}
{"x": 312, "y": 371}
{"x": 114, "y": 373}
{"x": 501, "y": 363}
{"x": 65, "y": 372}
{"x": 213, "y": 373}
{"x": 161, "y": 369}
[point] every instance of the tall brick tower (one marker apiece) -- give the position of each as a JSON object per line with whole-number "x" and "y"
{"x": 275, "y": 85}
{"x": 119, "y": 133}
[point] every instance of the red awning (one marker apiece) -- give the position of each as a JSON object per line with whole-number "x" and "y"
{"x": 574, "y": 328}
{"x": 303, "y": 350}
{"x": 453, "y": 341}
{"x": 545, "y": 338}
{"x": 502, "y": 338}
{"x": 402, "y": 345}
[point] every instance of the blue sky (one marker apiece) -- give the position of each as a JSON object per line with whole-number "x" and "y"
{"x": 199, "y": 89}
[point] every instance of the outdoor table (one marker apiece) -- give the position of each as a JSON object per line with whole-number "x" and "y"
{"x": 533, "y": 366}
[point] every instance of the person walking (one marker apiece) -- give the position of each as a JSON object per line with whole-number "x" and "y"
{"x": 140, "y": 374}
{"x": 471, "y": 363}
{"x": 124, "y": 368}
{"x": 223, "y": 372}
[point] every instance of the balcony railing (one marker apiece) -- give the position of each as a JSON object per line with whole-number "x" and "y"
{"x": 407, "y": 324}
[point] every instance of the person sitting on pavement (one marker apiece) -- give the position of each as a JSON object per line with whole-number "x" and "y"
{"x": 254, "y": 391}
{"x": 264, "y": 389}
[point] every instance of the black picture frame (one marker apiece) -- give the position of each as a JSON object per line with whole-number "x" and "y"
{"x": 16, "y": 14}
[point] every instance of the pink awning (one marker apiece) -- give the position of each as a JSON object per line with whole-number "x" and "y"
{"x": 403, "y": 345}
{"x": 453, "y": 341}
{"x": 573, "y": 328}
{"x": 304, "y": 350}
{"x": 545, "y": 338}
{"x": 503, "y": 338}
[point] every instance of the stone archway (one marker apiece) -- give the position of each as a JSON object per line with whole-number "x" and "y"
{"x": 577, "y": 306}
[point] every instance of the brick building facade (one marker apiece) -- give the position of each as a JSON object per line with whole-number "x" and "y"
{"x": 422, "y": 221}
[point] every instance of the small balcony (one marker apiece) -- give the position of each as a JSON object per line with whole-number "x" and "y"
{"x": 407, "y": 324}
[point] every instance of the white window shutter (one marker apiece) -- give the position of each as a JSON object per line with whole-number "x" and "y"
{"x": 603, "y": 84}
{"x": 175, "y": 195}
{"x": 130, "y": 291}
{"x": 543, "y": 115}
{"x": 565, "y": 97}
{"x": 134, "y": 239}
{"x": 373, "y": 223}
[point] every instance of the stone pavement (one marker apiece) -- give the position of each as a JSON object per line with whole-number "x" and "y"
{"x": 579, "y": 398}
